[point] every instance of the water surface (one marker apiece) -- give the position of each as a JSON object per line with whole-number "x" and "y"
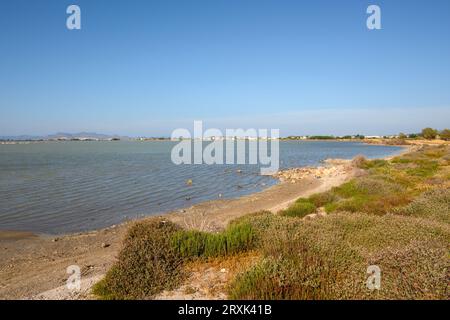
{"x": 61, "y": 187}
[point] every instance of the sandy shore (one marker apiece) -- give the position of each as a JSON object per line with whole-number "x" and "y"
{"x": 34, "y": 267}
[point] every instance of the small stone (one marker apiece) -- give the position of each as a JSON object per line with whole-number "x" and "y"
{"x": 105, "y": 245}
{"x": 55, "y": 239}
{"x": 223, "y": 270}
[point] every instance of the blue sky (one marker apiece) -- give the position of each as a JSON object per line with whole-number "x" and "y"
{"x": 148, "y": 67}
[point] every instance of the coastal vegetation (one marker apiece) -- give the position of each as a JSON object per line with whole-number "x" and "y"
{"x": 155, "y": 251}
{"x": 394, "y": 215}
{"x": 238, "y": 237}
{"x": 429, "y": 133}
{"x": 146, "y": 265}
{"x": 445, "y": 134}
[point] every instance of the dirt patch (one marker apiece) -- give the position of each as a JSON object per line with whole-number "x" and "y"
{"x": 208, "y": 280}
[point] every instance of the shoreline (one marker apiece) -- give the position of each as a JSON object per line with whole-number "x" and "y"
{"x": 33, "y": 266}
{"x": 18, "y": 234}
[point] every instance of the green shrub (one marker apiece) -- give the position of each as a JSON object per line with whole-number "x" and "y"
{"x": 359, "y": 161}
{"x": 146, "y": 265}
{"x": 299, "y": 209}
{"x": 321, "y": 199}
{"x": 331, "y": 207}
{"x": 303, "y": 200}
{"x": 353, "y": 204}
{"x": 238, "y": 237}
{"x": 259, "y": 221}
{"x": 347, "y": 190}
{"x": 189, "y": 243}
{"x": 445, "y": 134}
{"x": 429, "y": 133}
{"x": 424, "y": 169}
{"x": 402, "y": 160}
{"x": 377, "y": 163}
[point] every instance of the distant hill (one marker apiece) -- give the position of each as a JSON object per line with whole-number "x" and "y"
{"x": 67, "y": 136}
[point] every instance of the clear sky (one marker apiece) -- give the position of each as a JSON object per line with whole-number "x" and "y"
{"x": 148, "y": 67}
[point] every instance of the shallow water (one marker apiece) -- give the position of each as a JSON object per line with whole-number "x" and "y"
{"x": 61, "y": 187}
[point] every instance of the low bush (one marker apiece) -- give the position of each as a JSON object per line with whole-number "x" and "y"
{"x": 353, "y": 204}
{"x": 348, "y": 189}
{"x": 321, "y": 199}
{"x": 146, "y": 265}
{"x": 373, "y": 185}
{"x": 154, "y": 251}
{"x": 424, "y": 169}
{"x": 238, "y": 237}
{"x": 377, "y": 163}
{"x": 300, "y": 208}
{"x": 359, "y": 161}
